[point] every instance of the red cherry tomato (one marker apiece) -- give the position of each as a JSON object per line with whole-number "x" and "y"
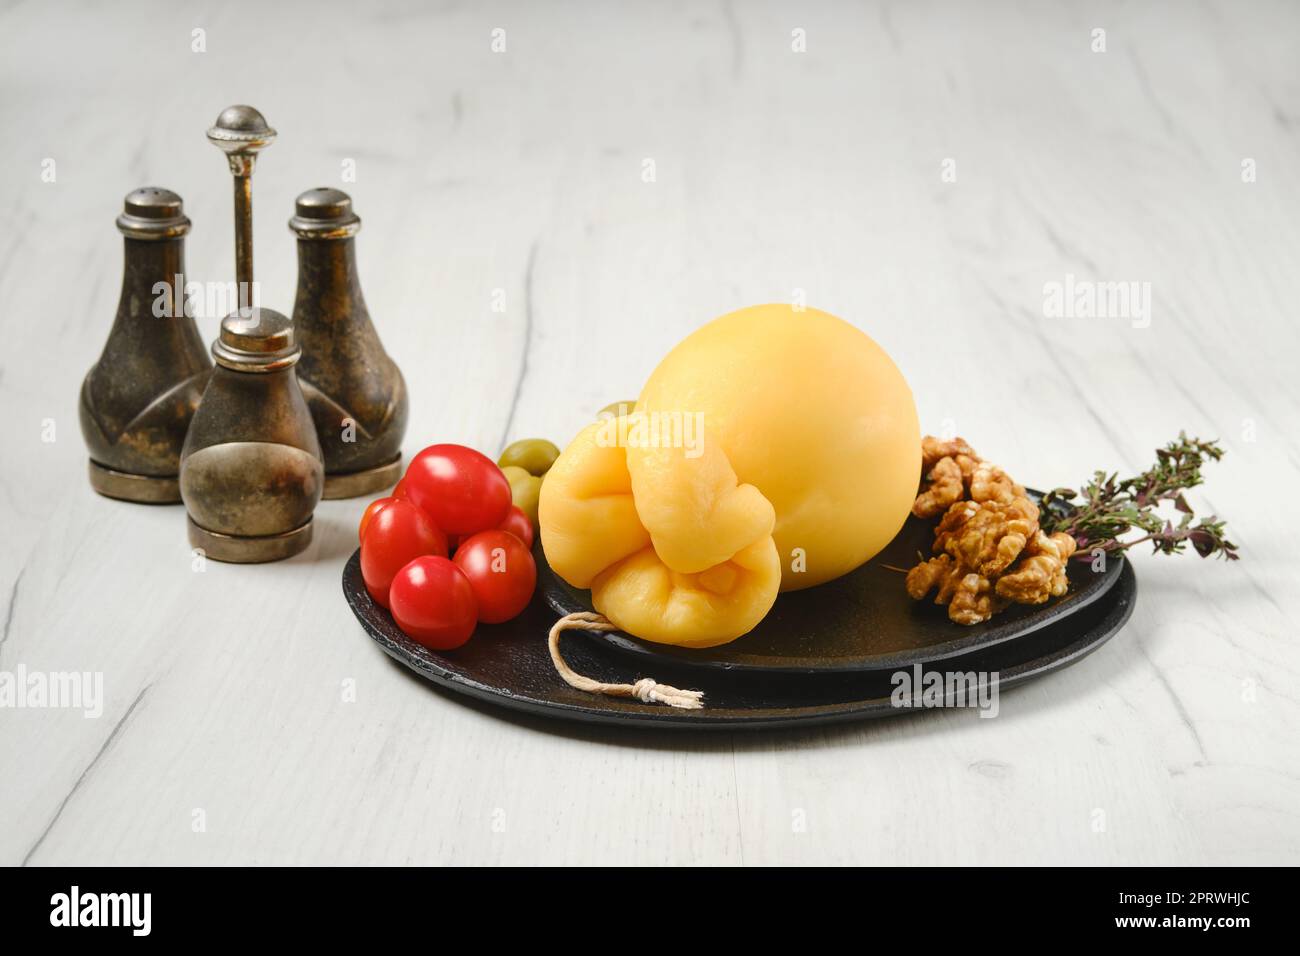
{"x": 517, "y": 523}
{"x": 462, "y": 490}
{"x": 399, "y": 489}
{"x": 433, "y": 603}
{"x": 501, "y": 572}
{"x": 378, "y": 505}
{"x": 397, "y": 534}
{"x": 372, "y": 509}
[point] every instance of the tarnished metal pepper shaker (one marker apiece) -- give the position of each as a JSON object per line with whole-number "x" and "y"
{"x": 137, "y": 400}
{"x": 355, "y": 391}
{"x": 251, "y": 472}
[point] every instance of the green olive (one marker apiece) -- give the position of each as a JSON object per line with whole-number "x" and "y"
{"x": 525, "y": 489}
{"x": 534, "y": 455}
{"x": 514, "y": 472}
{"x": 616, "y": 409}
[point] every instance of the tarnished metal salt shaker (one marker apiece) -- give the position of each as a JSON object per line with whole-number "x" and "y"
{"x": 137, "y": 400}
{"x": 251, "y": 472}
{"x": 354, "y": 389}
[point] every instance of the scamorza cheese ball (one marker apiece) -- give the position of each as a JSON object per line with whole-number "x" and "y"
{"x": 814, "y": 414}
{"x": 772, "y": 449}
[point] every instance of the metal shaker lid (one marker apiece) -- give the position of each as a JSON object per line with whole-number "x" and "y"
{"x": 152, "y": 212}
{"x": 324, "y": 213}
{"x": 254, "y": 339}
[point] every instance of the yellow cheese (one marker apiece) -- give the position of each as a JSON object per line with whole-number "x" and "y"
{"x": 771, "y": 449}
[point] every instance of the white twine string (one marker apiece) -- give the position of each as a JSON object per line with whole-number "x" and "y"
{"x": 646, "y": 690}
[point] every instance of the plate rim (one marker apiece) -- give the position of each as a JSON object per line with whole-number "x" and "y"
{"x": 631, "y": 714}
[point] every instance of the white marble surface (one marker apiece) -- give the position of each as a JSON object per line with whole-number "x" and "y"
{"x": 775, "y": 171}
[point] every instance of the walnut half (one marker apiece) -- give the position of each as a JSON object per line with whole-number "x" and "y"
{"x": 1041, "y": 575}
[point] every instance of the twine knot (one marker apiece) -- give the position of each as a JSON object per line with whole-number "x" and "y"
{"x": 645, "y": 689}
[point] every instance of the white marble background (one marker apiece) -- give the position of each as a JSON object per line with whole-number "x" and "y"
{"x": 775, "y": 171}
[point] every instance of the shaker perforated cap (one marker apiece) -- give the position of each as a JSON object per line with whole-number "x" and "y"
{"x": 152, "y": 212}
{"x": 324, "y": 213}
{"x": 254, "y": 339}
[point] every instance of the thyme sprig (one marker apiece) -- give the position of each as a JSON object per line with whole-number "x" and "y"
{"x": 1108, "y": 508}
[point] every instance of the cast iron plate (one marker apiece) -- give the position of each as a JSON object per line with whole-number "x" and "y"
{"x": 508, "y": 665}
{"x": 863, "y": 621}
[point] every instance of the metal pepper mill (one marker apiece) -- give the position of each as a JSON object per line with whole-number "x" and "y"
{"x": 138, "y": 399}
{"x": 354, "y": 389}
{"x": 251, "y": 471}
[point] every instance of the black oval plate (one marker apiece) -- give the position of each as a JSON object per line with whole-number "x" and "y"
{"x": 509, "y": 665}
{"x": 863, "y": 621}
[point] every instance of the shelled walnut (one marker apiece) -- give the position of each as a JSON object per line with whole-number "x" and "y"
{"x": 1042, "y": 574}
{"x": 988, "y": 525}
